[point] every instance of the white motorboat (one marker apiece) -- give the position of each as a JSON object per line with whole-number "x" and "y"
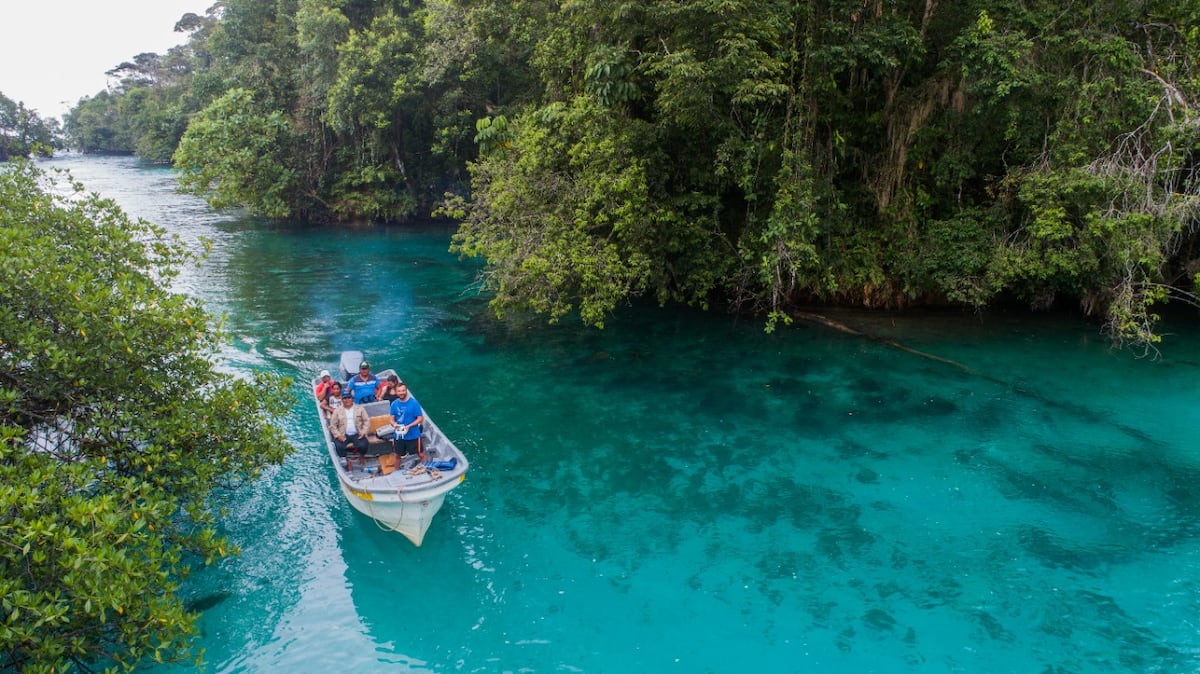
{"x": 401, "y": 498}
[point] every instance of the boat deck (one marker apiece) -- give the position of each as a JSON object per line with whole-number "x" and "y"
{"x": 365, "y": 469}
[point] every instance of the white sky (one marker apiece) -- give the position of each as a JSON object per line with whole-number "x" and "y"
{"x": 54, "y": 52}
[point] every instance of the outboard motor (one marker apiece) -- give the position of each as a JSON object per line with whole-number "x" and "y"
{"x": 348, "y": 367}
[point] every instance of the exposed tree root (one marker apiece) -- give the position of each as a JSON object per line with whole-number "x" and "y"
{"x": 842, "y": 327}
{"x": 1069, "y": 407}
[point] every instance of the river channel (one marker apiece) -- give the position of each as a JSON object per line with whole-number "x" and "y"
{"x": 681, "y": 492}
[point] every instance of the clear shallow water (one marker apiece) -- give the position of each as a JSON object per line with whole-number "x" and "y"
{"x": 683, "y": 493}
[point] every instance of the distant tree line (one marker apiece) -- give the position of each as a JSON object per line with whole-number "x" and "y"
{"x": 24, "y": 133}
{"x": 760, "y": 155}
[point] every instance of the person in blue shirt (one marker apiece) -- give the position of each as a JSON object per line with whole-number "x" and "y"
{"x": 407, "y": 416}
{"x": 363, "y": 385}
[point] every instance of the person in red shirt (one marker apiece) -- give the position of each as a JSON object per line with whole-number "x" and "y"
{"x": 322, "y": 390}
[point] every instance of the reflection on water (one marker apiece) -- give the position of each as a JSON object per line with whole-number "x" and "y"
{"x": 682, "y": 492}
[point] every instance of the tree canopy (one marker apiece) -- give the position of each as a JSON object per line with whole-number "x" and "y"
{"x": 759, "y": 155}
{"x": 23, "y": 132}
{"x": 118, "y": 434}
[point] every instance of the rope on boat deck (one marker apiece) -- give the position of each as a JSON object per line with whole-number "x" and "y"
{"x": 420, "y": 468}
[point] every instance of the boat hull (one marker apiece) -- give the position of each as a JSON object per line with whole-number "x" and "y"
{"x": 408, "y": 517}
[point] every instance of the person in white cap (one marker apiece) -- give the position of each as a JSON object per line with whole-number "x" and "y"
{"x": 322, "y": 390}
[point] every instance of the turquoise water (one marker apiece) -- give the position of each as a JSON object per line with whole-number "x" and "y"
{"x": 684, "y": 493}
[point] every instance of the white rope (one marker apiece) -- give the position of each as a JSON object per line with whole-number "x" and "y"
{"x": 383, "y": 526}
{"x": 434, "y": 475}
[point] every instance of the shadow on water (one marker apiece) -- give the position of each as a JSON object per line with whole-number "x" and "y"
{"x": 205, "y": 602}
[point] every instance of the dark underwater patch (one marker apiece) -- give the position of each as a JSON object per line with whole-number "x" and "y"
{"x": 1048, "y": 550}
{"x": 852, "y": 449}
{"x": 991, "y": 626}
{"x": 205, "y": 602}
{"x": 936, "y": 407}
{"x": 867, "y": 476}
{"x": 879, "y": 619}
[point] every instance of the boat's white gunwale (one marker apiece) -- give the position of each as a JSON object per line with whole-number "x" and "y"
{"x": 426, "y": 492}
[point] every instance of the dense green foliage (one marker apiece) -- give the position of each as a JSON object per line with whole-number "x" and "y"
{"x": 117, "y": 433}
{"x": 145, "y": 112}
{"x": 368, "y": 110}
{"x": 881, "y": 154}
{"x": 240, "y": 154}
{"x": 762, "y": 154}
{"x": 23, "y": 132}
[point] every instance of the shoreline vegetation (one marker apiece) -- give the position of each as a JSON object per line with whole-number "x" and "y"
{"x": 760, "y": 156}
{"x": 121, "y": 436}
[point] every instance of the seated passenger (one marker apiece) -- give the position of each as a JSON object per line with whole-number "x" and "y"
{"x": 348, "y": 425}
{"x": 322, "y": 388}
{"x": 387, "y": 389}
{"x": 332, "y": 399}
{"x": 363, "y": 385}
